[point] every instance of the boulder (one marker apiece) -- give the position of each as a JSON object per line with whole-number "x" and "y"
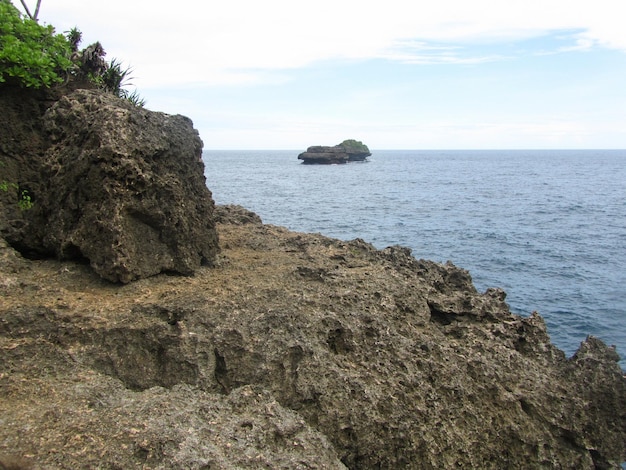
{"x": 125, "y": 188}
{"x": 347, "y": 151}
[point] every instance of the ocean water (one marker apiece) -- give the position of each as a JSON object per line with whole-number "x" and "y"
{"x": 547, "y": 226}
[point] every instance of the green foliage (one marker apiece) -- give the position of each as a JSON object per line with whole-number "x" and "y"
{"x": 4, "y": 186}
{"x": 74, "y": 37}
{"x": 34, "y": 56}
{"x": 134, "y": 98}
{"x": 115, "y": 78}
{"x": 24, "y": 201}
{"x": 355, "y": 145}
{"x": 31, "y": 55}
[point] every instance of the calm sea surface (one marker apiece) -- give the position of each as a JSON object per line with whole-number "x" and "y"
{"x": 549, "y": 227}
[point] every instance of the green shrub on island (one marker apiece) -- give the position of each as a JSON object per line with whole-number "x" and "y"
{"x": 355, "y": 146}
{"x": 31, "y": 55}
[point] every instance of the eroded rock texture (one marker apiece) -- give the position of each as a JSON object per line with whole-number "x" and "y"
{"x": 127, "y": 188}
{"x": 116, "y": 185}
{"x": 22, "y": 147}
{"x": 297, "y": 351}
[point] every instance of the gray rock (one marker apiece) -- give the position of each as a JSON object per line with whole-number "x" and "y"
{"x": 299, "y": 351}
{"x": 347, "y": 151}
{"x": 126, "y": 188}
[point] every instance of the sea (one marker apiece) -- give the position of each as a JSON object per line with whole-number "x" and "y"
{"x": 547, "y": 226}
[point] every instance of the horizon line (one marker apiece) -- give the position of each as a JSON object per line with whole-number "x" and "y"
{"x": 429, "y": 149}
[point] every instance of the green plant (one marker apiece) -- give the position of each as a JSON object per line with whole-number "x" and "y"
{"x": 115, "y": 78}
{"x": 74, "y": 37}
{"x": 24, "y": 200}
{"x": 31, "y": 55}
{"x": 4, "y": 186}
{"x": 35, "y": 56}
{"x": 135, "y": 99}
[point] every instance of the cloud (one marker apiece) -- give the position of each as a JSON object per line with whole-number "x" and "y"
{"x": 198, "y": 42}
{"x": 421, "y": 52}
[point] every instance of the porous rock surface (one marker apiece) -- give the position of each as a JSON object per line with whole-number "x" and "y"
{"x": 113, "y": 184}
{"x": 22, "y": 148}
{"x": 128, "y": 188}
{"x": 295, "y": 351}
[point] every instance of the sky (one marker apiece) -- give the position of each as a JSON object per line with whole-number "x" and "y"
{"x": 395, "y": 74}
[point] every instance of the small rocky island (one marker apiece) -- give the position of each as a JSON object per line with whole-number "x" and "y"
{"x": 348, "y": 151}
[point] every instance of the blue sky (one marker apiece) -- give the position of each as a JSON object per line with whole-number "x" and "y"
{"x": 458, "y": 74}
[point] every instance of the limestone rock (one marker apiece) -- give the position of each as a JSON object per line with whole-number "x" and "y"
{"x": 235, "y": 215}
{"x": 126, "y": 188}
{"x": 299, "y": 351}
{"x": 22, "y": 147}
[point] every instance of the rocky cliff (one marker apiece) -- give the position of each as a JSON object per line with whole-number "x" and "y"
{"x": 295, "y": 351}
{"x": 291, "y": 350}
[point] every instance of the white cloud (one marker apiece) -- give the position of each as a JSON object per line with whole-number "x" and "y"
{"x": 184, "y": 53}
{"x": 195, "y": 41}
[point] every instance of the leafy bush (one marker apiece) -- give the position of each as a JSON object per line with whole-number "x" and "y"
{"x": 31, "y": 55}
{"x": 34, "y": 56}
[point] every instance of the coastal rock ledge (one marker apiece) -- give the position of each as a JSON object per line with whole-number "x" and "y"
{"x": 347, "y": 151}
{"x": 294, "y": 351}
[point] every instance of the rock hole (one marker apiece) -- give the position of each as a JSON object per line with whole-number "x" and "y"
{"x": 74, "y": 253}
{"x": 221, "y": 372}
{"x": 339, "y": 341}
{"x": 439, "y": 316}
{"x": 526, "y": 407}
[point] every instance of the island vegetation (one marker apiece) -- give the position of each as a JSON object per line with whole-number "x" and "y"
{"x": 354, "y": 146}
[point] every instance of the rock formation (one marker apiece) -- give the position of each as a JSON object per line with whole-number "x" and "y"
{"x": 295, "y": 351}
{"x": 347, "y": 151}
{"x": 22, "y": 147}
{"x": 114, "y": 184}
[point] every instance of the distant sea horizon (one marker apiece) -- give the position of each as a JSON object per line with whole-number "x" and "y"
{"x": 299, "y": 150}
{"x": 546, "y": 225}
